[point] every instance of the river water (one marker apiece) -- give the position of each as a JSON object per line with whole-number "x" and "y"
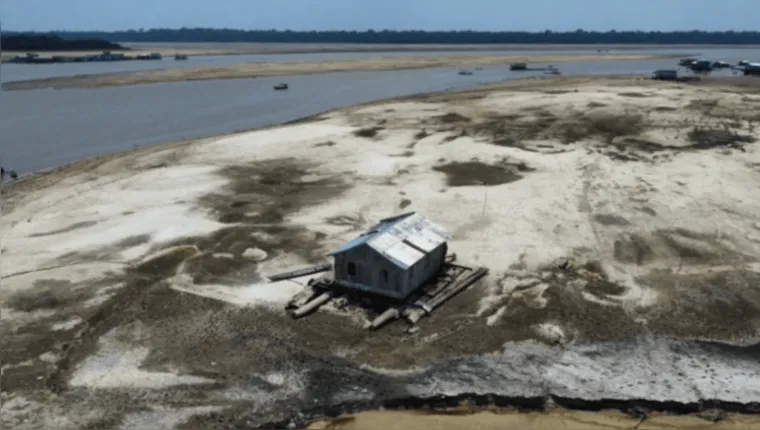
{"x": 42, "y": 129}
{"x": 19, "y": 72}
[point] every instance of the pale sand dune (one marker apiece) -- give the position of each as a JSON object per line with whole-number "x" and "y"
{"x": 652, "y": 190}
{"x": 253, "y": 70}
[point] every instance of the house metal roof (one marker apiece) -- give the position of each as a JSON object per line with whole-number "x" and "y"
{"x": 404, "y": 239}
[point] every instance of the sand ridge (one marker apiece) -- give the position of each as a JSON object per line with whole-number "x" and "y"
{"x": 153, "y": 263}
{"x": 253, "y": 70}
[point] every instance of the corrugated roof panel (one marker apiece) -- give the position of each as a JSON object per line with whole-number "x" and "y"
{"x": 353, "y": 243}
{"x": 383, "y": 241}
{"x": 387, "y": 239}
{"x": 425, "y": 240}
{"x": 404, "y": 254}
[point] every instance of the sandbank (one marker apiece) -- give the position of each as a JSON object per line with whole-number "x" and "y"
{"x": 130, "y": 299}
{"x": 253, "y": 70}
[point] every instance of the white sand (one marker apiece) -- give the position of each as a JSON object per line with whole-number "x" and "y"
{"x": 536, "y": 221}
{"x": 114, "y": 366}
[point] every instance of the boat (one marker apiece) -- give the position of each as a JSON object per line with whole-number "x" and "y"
{"x": 465, "y": 72}
{"x": 720, "y": 65}
{"x": 180, "y": 57}
{"x": 518, "y": 66}
{"x": 701, "y": 66}
{"x": 281, "y": 86}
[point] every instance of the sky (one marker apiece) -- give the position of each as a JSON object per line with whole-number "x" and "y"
{"x": 484, "y": 15}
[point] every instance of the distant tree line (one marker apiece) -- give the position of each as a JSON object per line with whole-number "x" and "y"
{"x": 414, "y": 37}
{"x": 40, "y": 42}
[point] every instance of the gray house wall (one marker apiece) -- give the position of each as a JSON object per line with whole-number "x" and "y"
{"x": 371, "y": 268}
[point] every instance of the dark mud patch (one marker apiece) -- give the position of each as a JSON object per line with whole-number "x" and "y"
{"x": 593, "y": 105}
{"x": 404, "y": 203}
{"x": 577, "y": 126}
{"x": 453, "y": 118}
{"x": 598, "y": 124}
{"x": 421, "y": 134}
{"x": 638, "y": 144}
{"x": 28, "y": 341}
{"x": 707, "y": 137}
{"x": 368, "y": 132}
{"x": 664, "y": 109}
{"x": 260, "y": 197}
{"x": 453, "y": 137}
{"x": 647, "y": 210}
{"x": 221, "y": 257}
{"x": 266, "y": 192}
{"x": 611, "y": 219}
{"x": 720, "y": 305}
{"x": 634, "y": 249}
{"x": 325, "y": 144}
{"x": 679, "y": 246}
{"x": 48, "y": 295}
{"x": 470, "y": 173}
{"x": 633, "y": 94}
{"x": 404, "y": 154}
{"x": 72, "y": 227}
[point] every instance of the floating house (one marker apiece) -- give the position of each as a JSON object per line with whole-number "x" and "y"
{"x": 394, "y": 258}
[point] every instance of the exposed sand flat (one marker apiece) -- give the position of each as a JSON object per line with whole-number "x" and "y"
{"x": 218, "y": 48}
{"x": 512, "y": 420}
{"x": 134, "y": 285}
{"x": 253, "y": 70}
{"x": 248, "y": 48}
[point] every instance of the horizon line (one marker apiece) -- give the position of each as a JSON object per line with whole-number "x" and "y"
{"x": 144, "y": 30}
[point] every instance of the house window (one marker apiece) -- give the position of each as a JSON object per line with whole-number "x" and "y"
{"x": 384, "y": 275}
{"x": 351, "y": 269}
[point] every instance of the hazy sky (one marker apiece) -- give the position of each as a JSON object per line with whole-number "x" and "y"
{"x": 530, "y": 15}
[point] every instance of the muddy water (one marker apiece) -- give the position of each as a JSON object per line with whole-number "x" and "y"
{"x": 19, "y": 72}
{"x": 511, "y": 420}
{"x": 43, "y": 129}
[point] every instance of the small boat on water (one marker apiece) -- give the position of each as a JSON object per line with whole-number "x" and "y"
{"x": 518, "y": 66}
{"x": 720, "y": 65}
{"x": 465, "y": 72}
{"x": 281, "y": 87}
{"x": 180, "y": 57}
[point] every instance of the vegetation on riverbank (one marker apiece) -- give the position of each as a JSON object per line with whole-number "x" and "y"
{"x": 421, "y": 37}
{"x": 46, "y": 42}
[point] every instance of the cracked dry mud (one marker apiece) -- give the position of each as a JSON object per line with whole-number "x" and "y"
{"x": 135, "y": 286}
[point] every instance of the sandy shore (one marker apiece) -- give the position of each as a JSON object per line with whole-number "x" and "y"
{"x": 234, "y": 48}
{"x": 135, "y": 290}
{"x": 253, "y": 70}
{"x": 513, "y": 420}
{"x": 251, "y": 48}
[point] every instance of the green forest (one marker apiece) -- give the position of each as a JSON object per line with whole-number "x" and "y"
{"x": 414, "y": 37}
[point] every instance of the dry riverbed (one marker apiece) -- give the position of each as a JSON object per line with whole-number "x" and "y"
{"x": 253, "y": 70}
{"x": 135, "y": 294}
